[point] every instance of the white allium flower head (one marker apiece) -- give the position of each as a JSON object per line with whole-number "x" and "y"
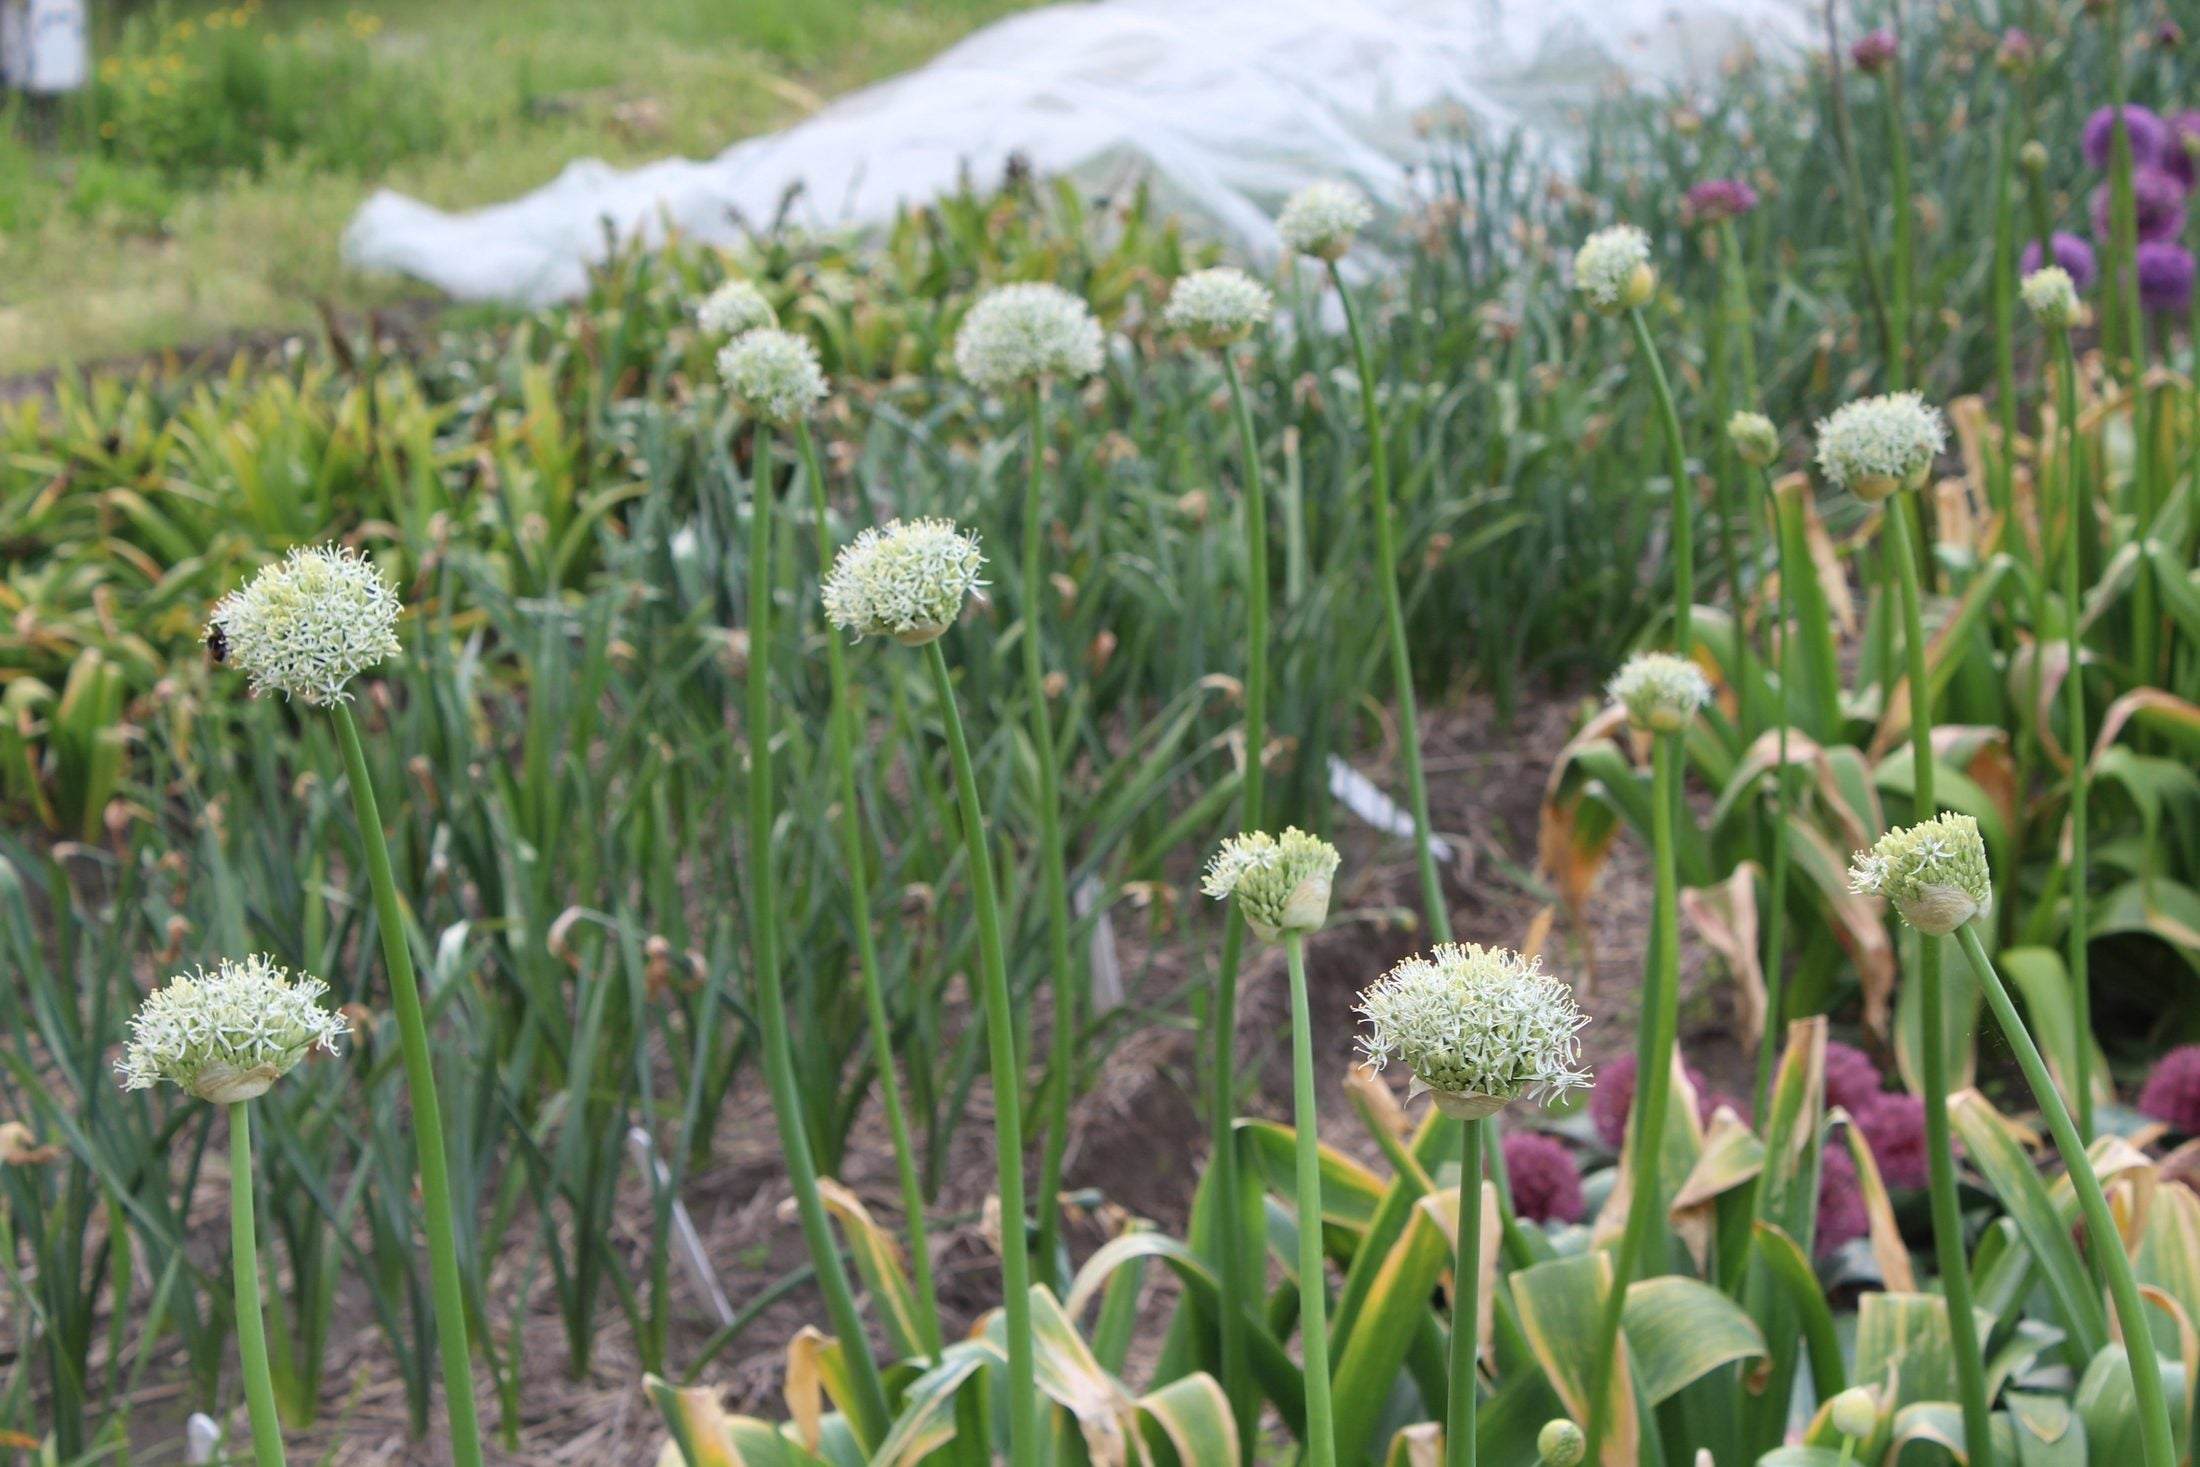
{"x": 2052, "y": 297}
{"x": 1020, "y": 334}
{"x": 307, "y": 625}
{"x": 1877, "y": 445}
{"x": 1661, "y": 693}
{"x": 1321, "y": 219}
{"x": 907, "y": 581}
{"x": 1612, "y": 269}
{"x": 228, "y": 1035}
{"x": 1217, "y": 307}
{"x": 1933, "y": 872}
{"x": 734, "y": 308}
{"x": 1280, "y": 883}
{"x": 1478, "y": 1027}
{"x": 773, "y": 374}
{"x": 1754, "y": 438}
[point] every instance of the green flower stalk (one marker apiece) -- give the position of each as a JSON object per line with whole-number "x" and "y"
{"x": 907, "y": 581}
{"x": 775, "y": 377}
{"x": 1662, "y": 695}
{"x": 1215, "y": 310}
{"x": 305, "y": 628}
{"x": 1280, "y": 886}
{"x": 1024, "y": 338}
{"x": 226, "y": 1037}
{"x": 1935, "y": 874}
{"x": 1874, "y": 448}
{"x": 2127, "y": 317}
{"x": 1756, "y": 442}
{"x": 1479, "y": 1028}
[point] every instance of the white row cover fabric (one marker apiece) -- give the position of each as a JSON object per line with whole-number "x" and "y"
{"x": 1225, "y": 105}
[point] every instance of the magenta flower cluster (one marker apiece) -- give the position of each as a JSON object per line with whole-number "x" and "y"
{"x": 2161, "y": 182}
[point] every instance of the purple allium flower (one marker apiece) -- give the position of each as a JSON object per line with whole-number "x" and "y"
{"x": 2157, "y": 205}
{"x": 1894, "y": 1125}
{"x": 1546, "y": 1182}
{"x": 2016, "y": 52}
{"x": 1873, "y": 51}
{"x": 2165, "y": 275}
{"x": 2172, "y": 1093}
{"x": 2072, "y": 253}
{"x": 2169, "y": 35}
{"x": 1842, "y": 1216}
{"x": 1717, "y": 199}
{"x": 2148, "y": 136}
{"x": 1614, "y": 1096}
{"x": 1852, "y": 1080}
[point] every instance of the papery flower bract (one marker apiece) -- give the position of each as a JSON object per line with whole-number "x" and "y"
{"x": 1876, "y": 445}
{"x": 1561, "y": 1444}
{"x": 1546, "y": 1180}
{"x": 2165, "y": 275}
{"x": 1716, "y": 200}
{"x": 734, "y": 308}
{"x": 1933, "y": 872}
{"x": 1754, "y": 438}
{"x": 2052, "y": 298}
{"x": 2172, "y": 1092}
{"x": 773, "y": 374}
{"x": 1215, "y": 308}
{"x": 1612, "y": 269}
{"x": 1477, "y": 1026}
{"x": 906, "y": 580}
{"x": 2148, "y": 136}
{"x": 1020, "y": 334}
{"x": 2157, "y": 205}
{"x": 2073, "y": 254}
{"x": 1661, "y": 693}
{"x": 1321, "y": 219}
{"x": 307, "y": 625}
{"x": 1280, "y": 883}
{"x": 228, "y": 1035}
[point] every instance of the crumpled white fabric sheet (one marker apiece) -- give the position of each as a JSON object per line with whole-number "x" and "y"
{"x": 1225, "y": 105}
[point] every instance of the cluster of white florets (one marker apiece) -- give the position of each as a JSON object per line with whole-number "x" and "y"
{"x": 1478, "y": 1026}
{"x": 906, "y": 580}
{"x": 773, "y": 374}
{"x": 1021, "y": 334}
{"x": 1612, "y": 269}
{"x": 1215, "y": 308}
{"x": 1280, "y": 883}
{"x": 228, "y": 1035}
{"x": 1877, "y": 445}
{"x": 307, "y": 625}
{"x": 1660, "y": 692}
{"x": 1321, "y": 219}
{"x": 735, "y": 308}
{"x": 1933, "y": 872}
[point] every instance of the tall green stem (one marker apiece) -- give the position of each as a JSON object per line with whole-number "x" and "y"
{"x": 2128, "y": 313}
{"x": 2103, "y": 1237}
{"x": 854, "y": 857}
{"x": 1901, "y": 268}
{"x": 1775, "y": 959}
{"x": 1321, "y": 1429}
{"x": 1653, "y": 1089}
{"x": 1000, "y": 1032}
{"x": 869, "y": 1407}
{"x": 1684, "y": 497}
{"x": 412, "y": 1037}
{"x": 1054, "y": 877}
{"x": 1466, "y": 1301}
{"x": 2073, "y": 692}
{"x": 244, "y": 1264}
{"x": 1949, "y": 1252}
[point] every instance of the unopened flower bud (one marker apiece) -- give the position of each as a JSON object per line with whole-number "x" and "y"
{"x": 1661, "y": 693}
{"x": 2052, "y": 298}
{"x": 1280, "y": 883}
{"x": 1754, "y": 439}
{"x": 1561, "y": 1444}
{"x": 1933, "y": 872}
{"x": 2032, "y": 157}
{"x": 1854, "y": 1413}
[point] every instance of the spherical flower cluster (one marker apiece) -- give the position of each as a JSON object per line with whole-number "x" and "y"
{"x": 1546, "y": 1181}
{"x": 1477, "y": 1026}
{"x": 1876, "y": 445}
{"x": 1661, "y": 693}
{"x": 2052, "y": 298}
{"x": 1560, "y": 1444}
{"x": 1894, "y": 1126}
{"x": 1214, "y": 308}
{"x": 2016, "y": 52}
{"x": 773, "y": 374}
{"x": 1842, "y": 1215}
{"x": 907, "y": 581}
{"x": 1934, "y": 872}
{"x": 1613, "y": 1099}
{"x": 307, "y": 625}
{"x": 1874, "y": 51}
{"x": 2073, "y": 254}
{"x": 1716, "y": 200}
{"x": 2149, "y": 137}
{"x": 1280, "y": 883}
{"x": 1852, "y": 1080}
{"x": 1612, "y": 269}
{"x": 1321, "y": 219}
{"x": 227, "y": 1035}
{"x": 1854, "y": 1413}
{"x": 2172, "y": 1092}
{"x": 2165, "y": 275}
{"x": 2157, "y": 205}
{"x": 733, "y": 308}
{"x": 1754, "y": 438}
{"x": 1021, "y": 334}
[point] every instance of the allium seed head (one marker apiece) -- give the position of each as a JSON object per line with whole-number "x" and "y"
{"x": 1934, "y": 873}
{"x": 1321, "y": 219}
{"x": 1661, "y": 693}
{"x": 1021, "y": 334}
{"x": 227, "y": 1035}
{"x": 1478, "y": 1027}
{"x": 1561, "y": 1444}
{"x": 733, "y": 308}
{"x": 1876, "y": 445}
{"x": 1280, "y": 883}
{"x": 773, "y": 374}
{"x": 1754, "y": 439}
{"x": 1218, "y": 307}
{"x": 1612, "y": 269}
{"x": 307, "y": 625}
{"x": 907, "y": 581}
{"x": 2052, "y": 298}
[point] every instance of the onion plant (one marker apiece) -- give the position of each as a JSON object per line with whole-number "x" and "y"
{"x": 1756, "y": 442}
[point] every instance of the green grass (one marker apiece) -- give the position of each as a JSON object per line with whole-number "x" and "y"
{"x": 102, "y": 261}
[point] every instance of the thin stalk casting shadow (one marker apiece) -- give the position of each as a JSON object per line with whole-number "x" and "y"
{"x": 1321, "y": 1421}
{"x": 244, "y": 1265}
{"x": 1466, "y": 1302}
